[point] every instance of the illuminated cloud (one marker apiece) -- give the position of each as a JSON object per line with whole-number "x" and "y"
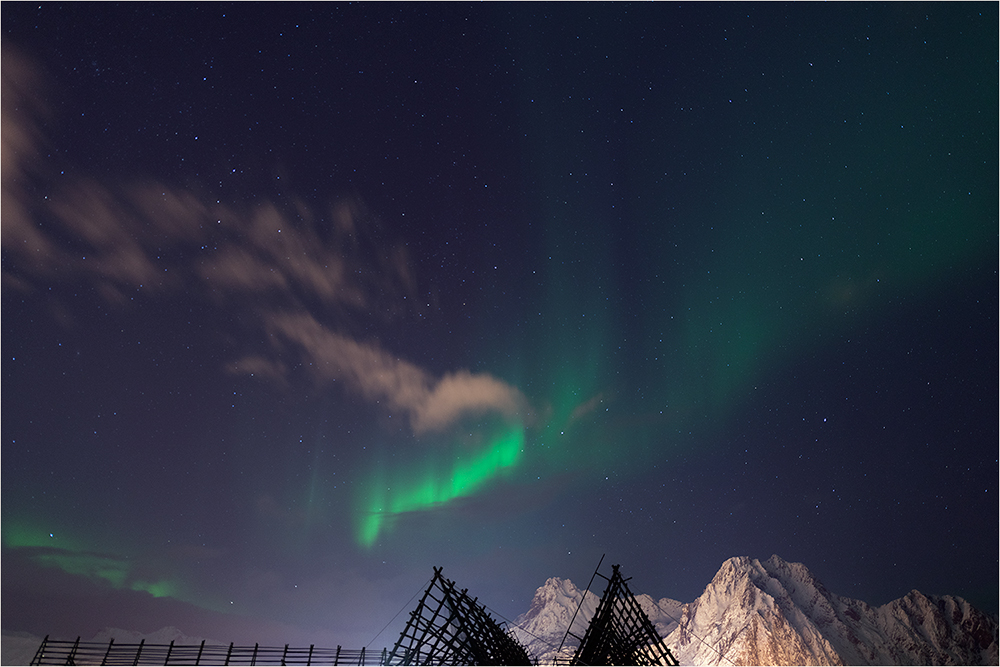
{"x": 431, "y": 404}
{"x": 462, "y": 393}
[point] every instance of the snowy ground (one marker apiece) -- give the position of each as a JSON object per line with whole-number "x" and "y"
{"x": 18, "y": 648}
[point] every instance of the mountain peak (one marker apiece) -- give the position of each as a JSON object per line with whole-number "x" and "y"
{"x": 777, "y": 612}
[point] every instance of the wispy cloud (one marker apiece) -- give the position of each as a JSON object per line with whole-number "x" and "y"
{"x": 586, "y": 407}
{"x": 21, "y": 139}
{"x": 280, "y": 267}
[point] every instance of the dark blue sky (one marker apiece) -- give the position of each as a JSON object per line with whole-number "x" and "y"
{"x": 300, "y": 301}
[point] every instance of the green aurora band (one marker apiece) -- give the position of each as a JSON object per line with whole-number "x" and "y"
{"x": 411, "y": 489}
{"x": 72, "y": 556}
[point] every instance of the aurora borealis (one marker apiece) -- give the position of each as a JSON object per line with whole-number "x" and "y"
{"x": 421, "y": 485}
{"x": 300, "y": 301}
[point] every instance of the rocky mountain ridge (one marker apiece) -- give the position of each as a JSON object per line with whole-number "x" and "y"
{"x": 752, "y": 612}
{"x": 774, "y": 612}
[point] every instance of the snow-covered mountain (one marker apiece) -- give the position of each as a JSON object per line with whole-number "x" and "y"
{"x": 752, "y": 613}
{"x": 777, "y": 613}
{"x": 18, "y": 647}
{"x": 541, "y": 629}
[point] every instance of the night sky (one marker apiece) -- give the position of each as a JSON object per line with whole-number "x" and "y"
{"x": 300, "y": 301}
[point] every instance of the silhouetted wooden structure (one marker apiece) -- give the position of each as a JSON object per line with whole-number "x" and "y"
{"x": 446, "y": 628}
{"x": 450, "y": 628}
{"x": 620, "y": 633}
{"x": 67, "y": 652}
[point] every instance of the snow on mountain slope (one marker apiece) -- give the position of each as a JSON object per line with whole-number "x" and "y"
{"x": 751, "y": 613}
{"x": 746, "y": 616}
{"x": 542, "y": 628}
{"x": 937, "y": 630}
{"x": 18, "y": 648}
{"x": 774, "y": 612}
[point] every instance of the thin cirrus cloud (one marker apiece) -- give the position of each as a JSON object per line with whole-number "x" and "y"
{"x": 20, "y": 142}
{"x": 152, "y": 237}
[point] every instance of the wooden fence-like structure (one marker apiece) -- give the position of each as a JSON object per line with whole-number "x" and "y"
{"x": 447, "y": 627}
{"x": 68, "y": 652}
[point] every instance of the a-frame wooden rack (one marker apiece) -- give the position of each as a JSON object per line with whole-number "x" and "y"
{"x": 450, "y": 628}
{"x": 620, "y": 632}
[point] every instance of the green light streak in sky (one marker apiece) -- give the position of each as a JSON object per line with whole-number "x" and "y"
{"x": 414, "y": 489}
{"x": 110, "y": 569}
{"x": 71, "y": 555}
{"x": 767, "y": 299}
{"x": 655, "y": 312}
{"x": 158, "y": 589}
{"x": 22, "y": 534}
{"x": 724, "y": 280}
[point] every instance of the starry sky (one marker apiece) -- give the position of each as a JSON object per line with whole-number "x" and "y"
{"x": 301, "y": 300}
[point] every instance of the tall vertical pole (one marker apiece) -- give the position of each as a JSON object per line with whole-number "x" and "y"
{"x": 580, "y": 606}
